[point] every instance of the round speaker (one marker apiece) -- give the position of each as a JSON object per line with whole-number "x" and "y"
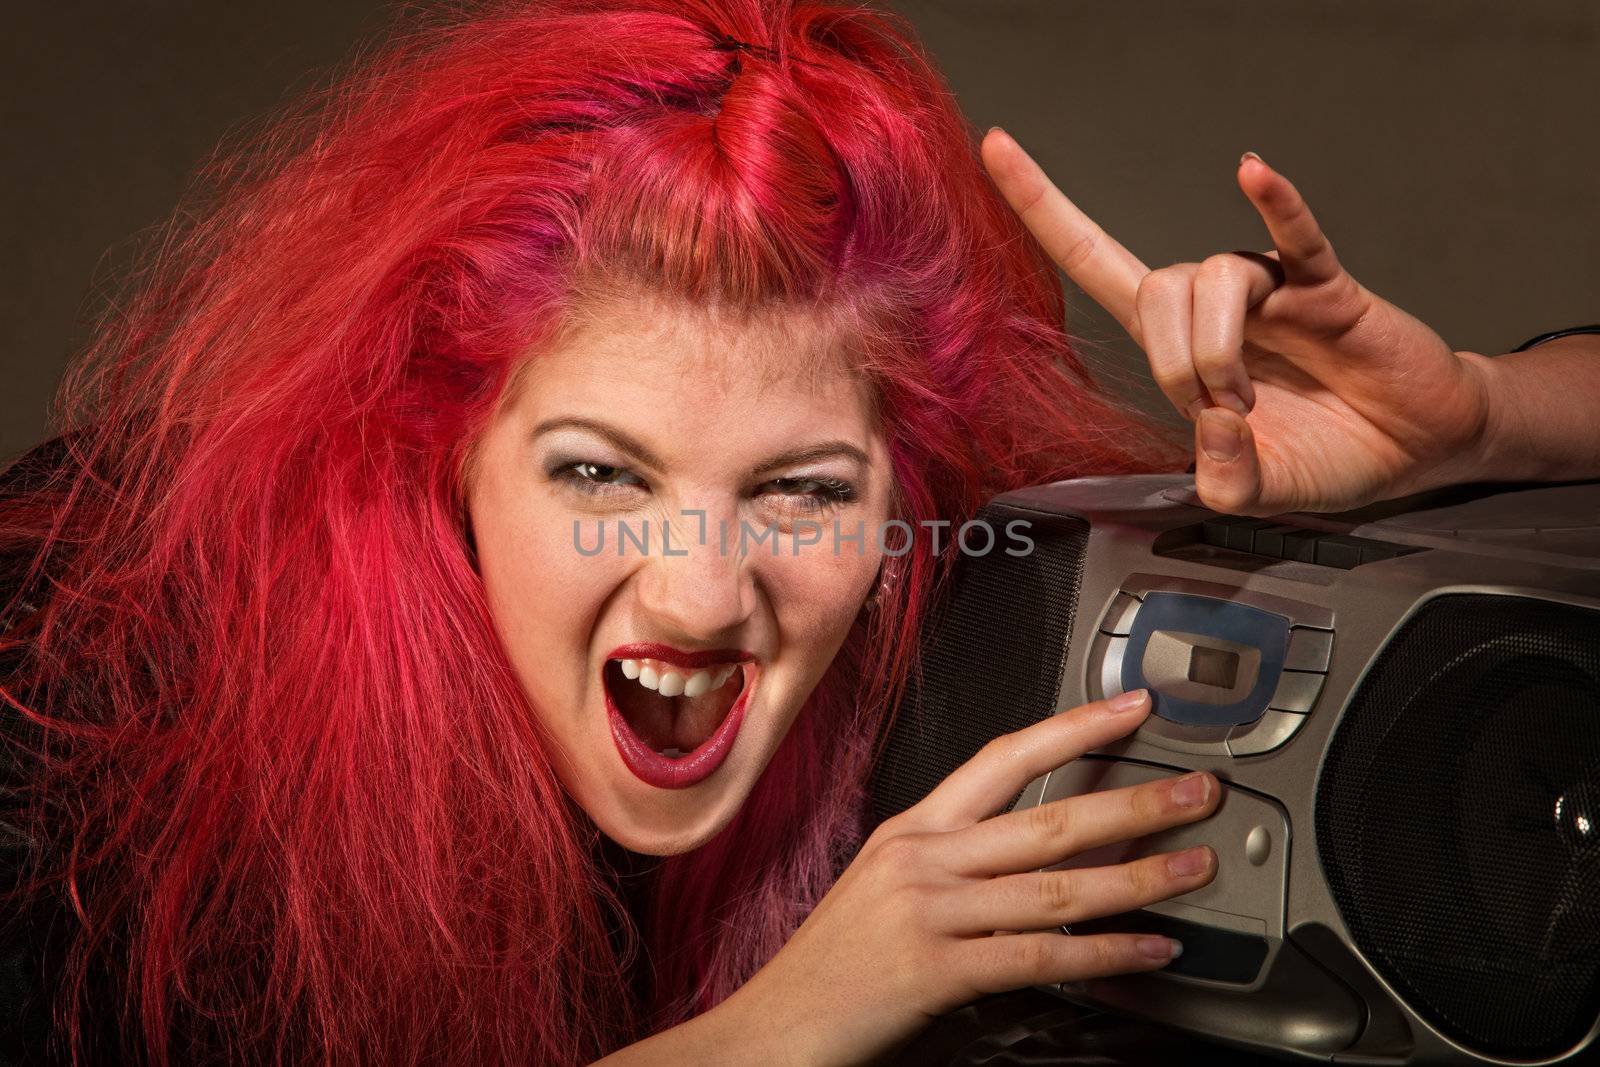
{"x": 1458, "y": 826}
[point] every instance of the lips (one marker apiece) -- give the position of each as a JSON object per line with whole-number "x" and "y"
{"x": 667, "y": 737}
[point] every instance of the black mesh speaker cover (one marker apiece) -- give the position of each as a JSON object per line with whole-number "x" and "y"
{"x": 992, "y": 659}
{"x": 1458, "y": 824}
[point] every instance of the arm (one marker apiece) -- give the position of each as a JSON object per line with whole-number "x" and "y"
{"x": 1544, "y": 413}
{"x": 701, "y": 1040}
{"x": 710, "y": 1039}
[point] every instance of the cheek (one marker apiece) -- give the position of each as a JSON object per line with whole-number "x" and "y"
{"x": 543, "y": 594}
{"x": 818, "y": 594}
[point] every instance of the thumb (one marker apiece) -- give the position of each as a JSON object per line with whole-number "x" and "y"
{"x": 1227, "y": 469}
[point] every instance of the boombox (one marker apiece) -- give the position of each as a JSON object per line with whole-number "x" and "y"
{"x": 1403, "y": 704}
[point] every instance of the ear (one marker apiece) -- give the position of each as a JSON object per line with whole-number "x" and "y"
{"x": 470, "y": 541}
{"x": 464, "y": 473}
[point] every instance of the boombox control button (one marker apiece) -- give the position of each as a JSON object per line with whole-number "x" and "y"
{"x": 1178, "y": 737}
{"x": 1296, "y": 691}
{"x": 1233, "y": 531}
{"x": 1105, "y": 666}
{"x": 1265, "y": 734}
{"x": 1309, "y": 650}
{"x": 1119, "y": 617}
{"x": 1257, "y": 845}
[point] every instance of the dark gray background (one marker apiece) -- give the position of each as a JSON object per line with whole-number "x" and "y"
{"x": 1447, "y": 146}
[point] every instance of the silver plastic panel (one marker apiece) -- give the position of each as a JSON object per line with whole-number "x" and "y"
{"x": 1250, "y": 899}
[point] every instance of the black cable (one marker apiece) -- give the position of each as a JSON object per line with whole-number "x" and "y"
{"x": 1553, "y": 334}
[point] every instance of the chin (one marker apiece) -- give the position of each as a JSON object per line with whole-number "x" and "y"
{"x": 654, "y": 839}
{"x": 667, "y": 822}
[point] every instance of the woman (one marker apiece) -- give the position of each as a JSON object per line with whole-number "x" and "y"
{"x": 338, "y": 740}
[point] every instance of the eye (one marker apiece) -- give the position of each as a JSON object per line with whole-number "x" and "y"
{"x": 595, "y": 478}
{"x": 812, "y": 494}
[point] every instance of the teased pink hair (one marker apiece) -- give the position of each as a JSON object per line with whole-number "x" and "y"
{"x": 285, "y": 774}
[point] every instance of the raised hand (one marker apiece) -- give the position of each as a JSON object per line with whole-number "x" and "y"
{"x": 1308, "y": 392}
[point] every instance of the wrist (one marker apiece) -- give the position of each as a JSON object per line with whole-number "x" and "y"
{"x": 1491, "y": 456}
{"x": 740, "y": 1030}
{"x": 1534, "y": 428}
{"x": 1482, "y": 456}
{"x": 718, "y": 1038}
{"x": 778, "y": 1022}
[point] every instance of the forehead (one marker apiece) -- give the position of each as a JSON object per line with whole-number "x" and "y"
{"x": 780, "y": 345}
{"x": 679, "y": 373}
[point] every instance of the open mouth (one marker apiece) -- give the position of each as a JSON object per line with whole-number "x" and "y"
{"x": 674, "y": 723}
{"x": 672, "y": 710}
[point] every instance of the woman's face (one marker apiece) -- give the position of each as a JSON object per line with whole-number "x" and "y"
{"x": 666, "y": 672}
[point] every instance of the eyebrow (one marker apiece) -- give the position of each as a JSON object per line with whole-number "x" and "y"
{"x": 804, "y": 454}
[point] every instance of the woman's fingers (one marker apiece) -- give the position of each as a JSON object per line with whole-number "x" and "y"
{"x": 1226, "y": 287}
{"x": 1304, "y": 251}
{"x": 1192, "y": 317}
{"x": 1164, "y": 309}
{"x": 1101, "y": 267}
{"x": 1049, "y": 833}
{"x": 1040, "y": 900}
{"x": 989, "y": 780}
{"x": 1000, "y": 964}
{"x": 1227, "y": 467}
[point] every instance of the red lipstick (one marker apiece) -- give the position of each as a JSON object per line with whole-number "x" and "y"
{"x": 665, "y": 772}
{"x": 688, "y": 660}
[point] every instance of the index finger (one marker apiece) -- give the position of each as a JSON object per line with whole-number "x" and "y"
{"x": 986, "y": 782}
{"x": 1092, "y": 258}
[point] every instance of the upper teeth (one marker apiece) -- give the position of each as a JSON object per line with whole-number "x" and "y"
{"x": 672, "y": 681}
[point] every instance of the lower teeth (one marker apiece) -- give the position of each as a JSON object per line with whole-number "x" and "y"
{"x": 671, "y": 753}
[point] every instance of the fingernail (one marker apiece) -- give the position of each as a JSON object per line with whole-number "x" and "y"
{"x": 1195, "y": 407}
{"x": 1132, "y": 700}
{"x": 1227, "y": 398}
{"x": 1160, "y": 948}
{"x": 1249, "y": 156}
{"x": 1191, "y": 790}
{"x": 1188, "y": 863}
{"x": 1219, "y": 437}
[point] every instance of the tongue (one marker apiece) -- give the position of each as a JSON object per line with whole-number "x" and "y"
{"x": 683, "y": 723}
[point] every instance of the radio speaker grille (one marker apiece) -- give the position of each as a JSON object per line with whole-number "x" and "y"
{"x": 1458, "y": 820}
{"x": 993, "y": 651}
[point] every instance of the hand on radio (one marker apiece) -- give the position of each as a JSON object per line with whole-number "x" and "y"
{"x": 909, "y": 931}
{"x": 1309, "y": 393}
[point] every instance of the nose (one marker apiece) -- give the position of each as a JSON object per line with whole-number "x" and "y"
{"x": 703, "y": 591}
